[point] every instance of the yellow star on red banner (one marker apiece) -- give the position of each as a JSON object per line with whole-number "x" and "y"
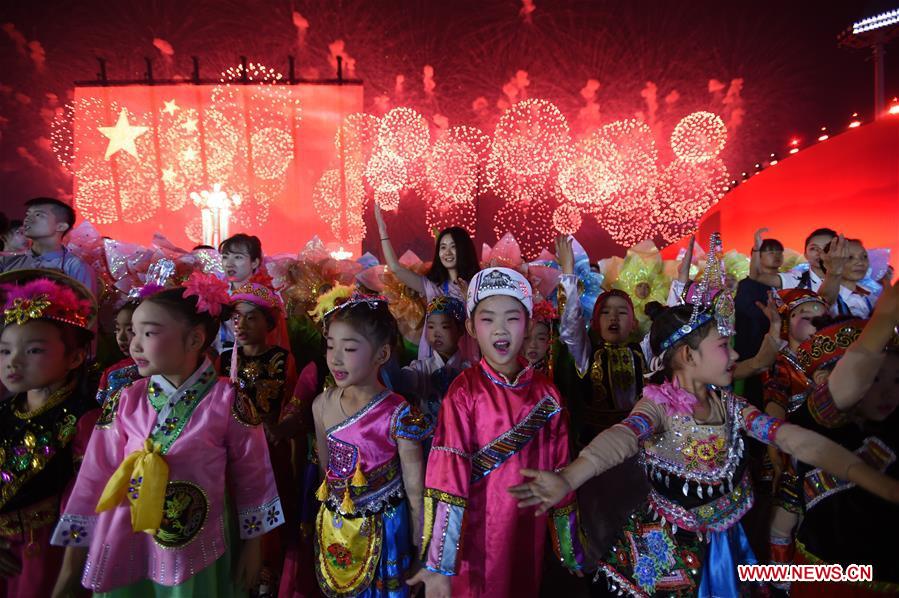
{"x": 122, "y": 136}
{"x": 170, "y": 107}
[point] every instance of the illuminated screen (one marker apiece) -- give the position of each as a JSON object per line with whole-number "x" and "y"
{"x": 141, "y": 150}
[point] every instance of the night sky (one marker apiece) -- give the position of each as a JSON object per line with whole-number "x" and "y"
{"x": 795, "y": 78}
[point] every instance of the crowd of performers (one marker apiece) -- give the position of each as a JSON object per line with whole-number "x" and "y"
{"x": 218, "y": 422}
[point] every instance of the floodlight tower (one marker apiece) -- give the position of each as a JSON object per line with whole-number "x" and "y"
{"x": 873, "y": 32}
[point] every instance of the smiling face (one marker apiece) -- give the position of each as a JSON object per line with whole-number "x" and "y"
{"x": 801, "y": 327}
{"x": 882, "y": 398}
{"x": 351, "y": 357}
{"x": 250, "y": 324}
{"x": 857, "y": 266}
{"x": 713, "y": 361}
{"x": 238, "y": 265}
{"x": 536, "y": 343}
{"x": 446, "y": 248}
{"x": 33, "y": 355}
{"x": 162, "y": 344}
{"x": 123, "y": 330}
{"x": 499, "y": 324}
{"x": 41, "y": 222}
{"x": 616, "y": 320}
{"x": 442, "y": 334}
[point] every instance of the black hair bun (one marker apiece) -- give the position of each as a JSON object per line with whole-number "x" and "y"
{"x": 654, "y": 309}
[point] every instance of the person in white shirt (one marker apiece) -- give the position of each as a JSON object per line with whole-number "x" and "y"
{"x": 853, "y": 299}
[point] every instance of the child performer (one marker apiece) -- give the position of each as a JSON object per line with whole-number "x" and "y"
{"x": 264, "y": 374}
{"x": 148, "y": 514}
{"x": 786, "y": 386}
{"x": 124, "y": 371}
{"x": 261, "y": 366}
{"x": 855, "y": 406}
{"x": 538, "y": 342}
{"x": 368, "y": 439}
{"x": 687, "y": 538}
{"x": 425, "y": 381}
{"x": 615, "y": 365}
{"x": 496, "y": 418}
{"x": 45, "y": 425}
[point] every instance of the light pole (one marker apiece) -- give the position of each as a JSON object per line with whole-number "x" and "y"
{"x": 874, "y": 32}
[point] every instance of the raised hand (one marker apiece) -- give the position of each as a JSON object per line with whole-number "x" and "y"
{"x": 683, "y": 273}
{"x": 758, "y": 238}
{"x": 836, "y": 256}
{"x": 379, "y": 218}
{"x": 770, "y": 310}
{"x": 565, "y": 253}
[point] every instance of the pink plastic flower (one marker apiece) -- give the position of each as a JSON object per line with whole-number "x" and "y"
{"x": 211, "y": 293}
{"x": 671, "y": 396}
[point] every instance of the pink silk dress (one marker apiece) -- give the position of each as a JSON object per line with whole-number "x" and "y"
{"x": 488, "y": 429}
{"x": 204, "y": 440}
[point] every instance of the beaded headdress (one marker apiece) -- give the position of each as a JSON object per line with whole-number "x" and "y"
{"x": 46, "y": 295}
{"x": 709, "y": 297}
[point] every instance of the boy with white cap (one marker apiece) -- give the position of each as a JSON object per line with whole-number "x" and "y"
{"x": 497, "y": 417}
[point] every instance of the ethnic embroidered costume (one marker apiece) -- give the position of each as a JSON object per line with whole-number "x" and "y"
{"x": 686, "y": 539}
{"x": 363, "y": 543}
{"x": 490, "y": 428}
{"x": 615, "y": 371}
{"x": 844, "y": 524}
{"x": 149, "y": 420}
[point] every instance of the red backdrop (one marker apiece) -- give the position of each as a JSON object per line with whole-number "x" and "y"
{"x": 269, "y": 144}
{"x": 849, "y": 182}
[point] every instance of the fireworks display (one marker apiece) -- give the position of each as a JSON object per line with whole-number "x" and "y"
{"x": 629, "y": 155}
{"x": 699, "y": 137}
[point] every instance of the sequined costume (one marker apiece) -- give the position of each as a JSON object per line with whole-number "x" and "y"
{"x": 489, "y": 428}
{"x": 40, "y": 453}
{"x": 200, "y": 438}
{"x": 615, "y": 372}
{"x": 263, "y": 384}
{"x": 844, "y": 524}
{"x": 363, "y": 529}
{"x": 787, "y": 385}
{"x": 685, "y": 539}
{"x": 115, "y": 377}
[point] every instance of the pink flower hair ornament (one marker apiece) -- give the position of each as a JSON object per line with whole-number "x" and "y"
{"x": 211, "y": 293}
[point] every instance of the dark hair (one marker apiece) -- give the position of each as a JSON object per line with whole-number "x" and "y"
{"x": 250, "y": 243}
{"x": 185, "y": 309}
{"x": 771, "y": 245}
{"x": 466, "y": 256}
{"x": 665, "y": 322}
{"x": 73, "y": 337}
{"x": 129, "y": 305}
{"x": 372, "y": 320}
{"x": 819, "y": 232}
{"x": 61, "y": 210}
{"x": 203, "y": 247}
